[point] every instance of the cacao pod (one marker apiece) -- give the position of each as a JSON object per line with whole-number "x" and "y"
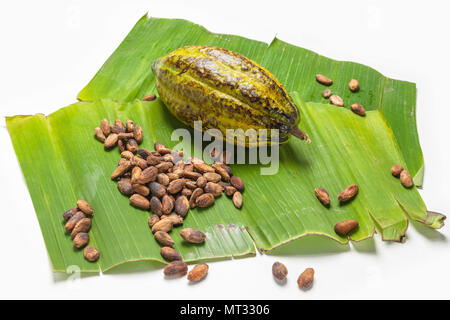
{"x": 226, "y": 90}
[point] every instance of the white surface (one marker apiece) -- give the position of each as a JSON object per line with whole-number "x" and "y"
{"x": 51, "y": 49}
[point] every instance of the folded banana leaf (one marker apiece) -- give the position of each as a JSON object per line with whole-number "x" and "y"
{"x": 63, "y": 162}
{"x": 127, "y": 75}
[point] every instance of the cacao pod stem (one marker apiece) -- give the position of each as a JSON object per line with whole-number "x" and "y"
{"x": 296, "y": 132}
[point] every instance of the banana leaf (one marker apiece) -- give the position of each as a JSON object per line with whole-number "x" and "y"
{"x": 127, "y": 75}
{"x": 63, "y": 162}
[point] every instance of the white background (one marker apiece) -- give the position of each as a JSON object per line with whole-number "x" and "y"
{"x": 49, "y": 50}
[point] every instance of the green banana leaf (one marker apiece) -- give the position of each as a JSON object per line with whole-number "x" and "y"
{"x": 63, "y": 162}
{"x": 127, "y": 75}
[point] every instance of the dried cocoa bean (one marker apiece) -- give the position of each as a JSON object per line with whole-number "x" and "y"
{"x": 104, "y": 125}
{"x": 353, "y": 85}
{"x": 306, "y": 278}
{"x": 323, "y": 80}
{"x": 170, "y": 254}
{"x": 123, "y": 168}
{"x": 405, "y": 179}
{"x": 99, "y": 134}
{"x": 125, "y": 187}
{"x": 345, "y": 227}
{"x": 138, "y": 201}
{"x": 192, "y": 235}
{"x": 141, "y": 189}
{"x": 111, "y": 141}
{"x": 396, "y": 170}
{"x": 150, "y": 97}
{"x": 323, "y": 196}
{"x": 237, "y": 183}
{"x": 156, "y": 206}
{"x": 237, "y": 199}
{"x": 77, "y": 216}
{"x": 84, "y": 225}
{"x": 163, "y": 225}
{"x": 157, "y": 190}
{"x": 84, "y": 206}
{"x": 195, "y": 194}
{"x": 91, "y": 254}
{"x": 348, "y": 193}
{"x": 279, "y": 271}
{"x": 69, "y": 213}
{"x": 213, "y": 188}
{"x": 205, "y": 200}
{"x": 164, "y": 238}
{"x": 175, "y": 268}
{"x": 154, "y": 218}
{"x": 147, "y": 175}
{"x": 198, "y": 272}
{"x": 358, "y": 109}
{"x": 336, "y": 100}
{"x": 138, "y": 134}
{"x": 80, "y": 240}
{"x": 182, "y": 205}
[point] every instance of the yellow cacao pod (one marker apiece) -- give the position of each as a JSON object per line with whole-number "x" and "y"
{"x": 226, "y": 90}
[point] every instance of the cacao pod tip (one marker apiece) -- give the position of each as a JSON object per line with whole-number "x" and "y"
{"x": 296, "y": 132}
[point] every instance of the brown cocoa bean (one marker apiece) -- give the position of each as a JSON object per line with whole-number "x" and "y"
{"x": 138, "y": 201}
{"x": 229, "y": 190}
{"x": 84, "y": 206}
{"x": 125, "y": 135}
{"x": 223, "y": 174}
{"x": 147, "y": 175}
{"x": 323, "y": 196}
{"x": 198, "y": 272}
{"x": 117, "y": 129}
{"x": 191, "y": 184}
{"x": 336, "y": 100}
{"x": 192, "y": 235}
{"x": 173, "y": 176}
{"x": 186, "y": 192}
{"x": 176, "y": 186}
{"x": 324, "y": 80}
{"x": 348, "y": 193}
{"x": 156, "y": 206}
{"x": 153, "y": 160}
{"x": 195, "y": 194}
{"x": 129, "y": 124}
{"x": 125, "y": 187}
{"x": 132, "y": 145}
{"x": 77, "y": 216}
{"x": 214, "y": 188}
{"x": 170, "y": 254}
{"x": 182, "y": 205}
{"x": 237, "y": 183}
{"x": 405, "y": 179}
{"x": 279, "y": 271}
{"x": 137, "y": 161}
{"x": 123, "y": 168}
{"x": 154, "y": 218}
{"x": 138, "y": 134}
{"x": 326, "y": 93}
{"x": 144, "y": 153}
{"x": 104, "y": 125}
{"x": 157, "y": 190}
{"x": 127, "y": 155}
{"x": 163, "y": 225}
{"x": 220, "y": 165}
{"x": 69, "y": 213}
{"x": 212, "y": 177}
{"x": 91, "y": 254}
{"x": 175, "y": 268}
{"x": 163, "y": 179}
{"x": 345, "y": 227}
{"x": 353, "y": 85}
{"x": 167, "y": 204}
{"x": 396, "y": 170}
{"x": 164, "y": 238}
{"x": 191, "y": 174}
{"x": 358, "y": 109}
{"x": 202, "y": 167}
{"x": 99, "y": 134}
{"x": 141, "y": 189}
{"x": 121, "y": 146}
{"x": 135, "y": 174}
{"x": 306, "y": 278}
{"x": 84, "y": 225}
{"x": 201, "y": 182}
{"x": 111, "y": 141}
{"x": 80, "y": 240}
{"x": 149, "y": 97}
{"x": 205, "y": 200}
{"x": 237, "y": 199}
{"x": 175, "y": 218}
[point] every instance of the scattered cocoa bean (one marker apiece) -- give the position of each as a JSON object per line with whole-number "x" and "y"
{"x": 69, "y": 213}
{"x": 348, "y": 193}
{"x": 323, "y": 196}
{"x": 163, "y": 179}
{"x": 164, "y": 238}
{"x": 405, "y": 179}
{"x": 205, "y": 200}
{"x": 77, "y": 216}
{"x": 191, "y": 184}
{"x": 99, "y": 134}
{"x": 212, "y": 177}
{"x": 237, "y": 199}
{"x": 167, "y": 204}
{"x": 80, "y": 240}
{"x": 353, "y": 85}
{"x": 306, "y": 278}
{"x": 123, "y": 168}
{"x": 141, "y": 189}
{"x": 198, "y": 272}
{"x": 163, "y": 225}
{"x": 147, "y": 175}
{"x": 138, "y": 134}
{"x": 138, "y": 201}
{"x": 84, "y": 225}
{"x": 213, "y": 188}
{"x": 150, "y": 97}
{"x": 121, "y": 145}
{"x": 111, "y": 141}
{"x": 157, "y": 190}
{"x": 358, "y": 109}
{"x": 137, "y": 161}
{"x": 104, "y": 125}
{"x": 156, "y": 206}
{"x": 84, "y": 206}
{"x": 336, "y": 100}
{"x": 192, "y": 235}
{"x": 176, "y": 186}
{"x": 127, "y": 155}
{"x": 326, "y": 93}
{"x": 135, "y": 174}
{"x": 229, "y": 190}
{"x": 132, "y": 145}
{"x": 91, "y": 254}
{"x": 323, "y": 80}
{"x": 202, "y": 167}
{"x": 182, "y": 206}
{"x": 154, "y": 218}
{"x": 176, "y": 219}
{"x": 153, "y": 160}
{"x": 220, "y": 165}
{"x": 191, "y": 174}
{"x": 237, "y": 183}
{"x": 201, "y": 182}
{"x": 186, "y": 192}
{"x": 144, "y": 153}
{"x": 170, "y": 254}
{"x": 117, "y": 129}
{"x": 125, "y": 135}
{"x": 164, "y": 166}
{"x": 195, "y": 194}
{"x": 345, "y": 227}
{"x": 279, "y": 271}
{"x": 129, "y": 124}
{"x": 175, "y": 268}
{"x": 125, "y": 187}
{"x": 396, "y": 170}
